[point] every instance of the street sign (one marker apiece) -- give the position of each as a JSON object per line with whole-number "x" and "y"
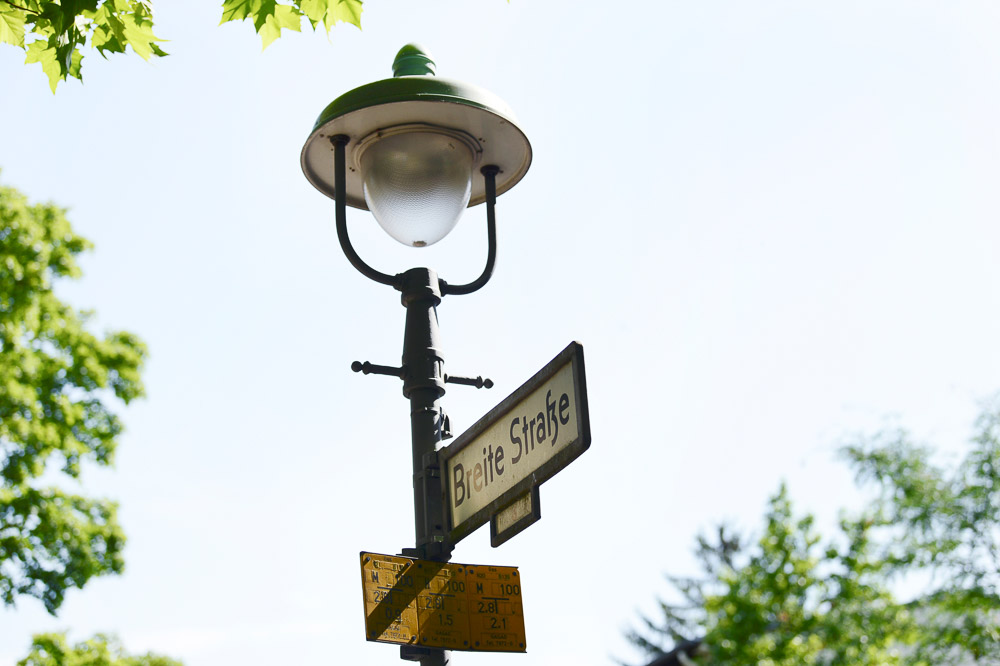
{"x": 442, "y": 604}
{"x": 492, "y": 470}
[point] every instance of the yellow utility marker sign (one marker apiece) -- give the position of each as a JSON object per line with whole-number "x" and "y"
{"x": 442, "y": 604}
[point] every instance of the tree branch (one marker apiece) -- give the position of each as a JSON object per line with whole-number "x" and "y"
{"x": 23, "y": 9}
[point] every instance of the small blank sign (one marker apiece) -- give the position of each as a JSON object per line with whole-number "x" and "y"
{"x": 515, "y": 517}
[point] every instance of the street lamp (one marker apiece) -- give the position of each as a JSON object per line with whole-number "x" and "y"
{"x": 416, "y": 150}
{"x": 415, "y": 141}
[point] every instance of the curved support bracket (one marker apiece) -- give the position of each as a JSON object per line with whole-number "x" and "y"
{"x": 340, "y": 142}
{"x": 489, "y": 172}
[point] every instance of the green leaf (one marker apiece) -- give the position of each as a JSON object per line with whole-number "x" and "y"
{"x": 48, "y": 57}
{"x": 237, "y": 10}
{"x": 348, "y": 11}
{"x": 11, "y": 26}
{"x": 282, "y": 17}
{"x": 138, "y": 32}
{"x": 109, "y": 31}
{"x": 75, "y": 60}
{"x": 315, "y": 10}
{"x": 266, "y": 9}
{"x": 52, "y": 16}
{"x": 330, "y": 12}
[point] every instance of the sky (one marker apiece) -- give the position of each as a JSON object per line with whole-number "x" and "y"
{"x": 771, "y": 225}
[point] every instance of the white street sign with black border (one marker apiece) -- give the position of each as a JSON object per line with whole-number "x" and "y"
{"x": 493, "y": 470}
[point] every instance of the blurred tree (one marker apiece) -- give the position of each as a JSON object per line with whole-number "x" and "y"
{"x": 53, "y": 32}
{"x": 56, "y": 383}
{"x": 55, "y": 650}
{"x": 944, "y": 524}
{"x": 789, "y": 598}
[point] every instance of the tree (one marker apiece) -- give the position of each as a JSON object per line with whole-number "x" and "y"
{"x": 790, "y": 597}
{"x": 101, "y": 650}
{"x": 58, "y": 382}
{"x": 945, "y": 524}
{"x": 54, "y": 32}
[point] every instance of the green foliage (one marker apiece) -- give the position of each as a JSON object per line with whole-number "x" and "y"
{"x": 57, "y": 541}
{"x": 102, "y": 650}
{"x": 946, "y": 525}
{"x": 786, "y": 600}
{"x": 57, "y": 380}
{"x": 53, "y": 32}
{"x": 271, "y": 17}
{"x": 790, "y": 598}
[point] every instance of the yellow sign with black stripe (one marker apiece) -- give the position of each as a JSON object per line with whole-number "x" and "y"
{"x": 442, "y": 604}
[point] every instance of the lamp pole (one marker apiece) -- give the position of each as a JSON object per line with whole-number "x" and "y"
{"x": 423, "y": 385}
{"x": 412, "y": 124}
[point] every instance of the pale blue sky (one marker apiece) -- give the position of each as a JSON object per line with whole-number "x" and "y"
{"x": 770, "y": 224}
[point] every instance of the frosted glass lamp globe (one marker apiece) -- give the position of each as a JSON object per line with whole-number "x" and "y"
{"x": 417, "y": 183}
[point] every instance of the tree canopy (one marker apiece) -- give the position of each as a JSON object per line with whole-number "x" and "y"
{"x": 58, "y": 383}
{"x": 790, "y": 597}
{"x": 54, "y": 33}
{"x": 101, "y": 650}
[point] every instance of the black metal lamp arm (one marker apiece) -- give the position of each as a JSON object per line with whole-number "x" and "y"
{"x": 340, "y": 198}
{"x": 489, "y": 172}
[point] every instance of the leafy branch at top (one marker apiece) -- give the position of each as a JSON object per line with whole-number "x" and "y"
{"x": 53, "y": 33}
{"x": 271, "y": 17}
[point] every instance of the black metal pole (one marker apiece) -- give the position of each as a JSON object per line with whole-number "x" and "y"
{"x": 423, "y": 385}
